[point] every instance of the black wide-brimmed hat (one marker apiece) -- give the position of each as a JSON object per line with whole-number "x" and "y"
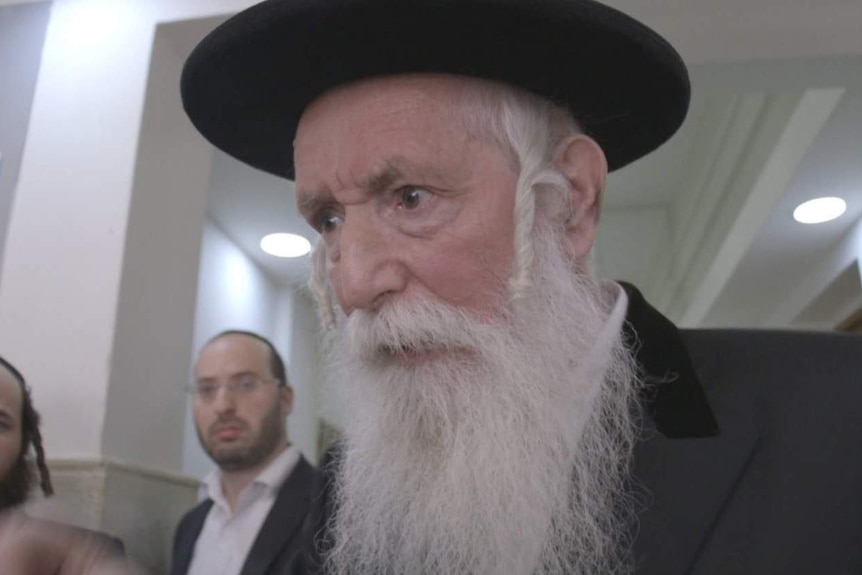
{"x": 247, "y": 83}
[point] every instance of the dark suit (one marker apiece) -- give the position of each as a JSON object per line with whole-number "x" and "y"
{"x": 279, "y": 538}
{"x": 749, "y": 461}
{"x": 760, "y": 472}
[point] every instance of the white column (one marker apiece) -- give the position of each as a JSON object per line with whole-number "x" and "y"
{"x": 101, "y": 259}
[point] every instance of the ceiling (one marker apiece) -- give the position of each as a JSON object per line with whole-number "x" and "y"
{"x": 702, "y": 225}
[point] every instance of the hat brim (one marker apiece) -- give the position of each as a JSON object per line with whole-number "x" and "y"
{"x": 247, "y": 83}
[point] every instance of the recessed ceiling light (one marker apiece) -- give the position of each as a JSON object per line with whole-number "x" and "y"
{"x": 819, "y": 210}
{"x": 285, "y": 245}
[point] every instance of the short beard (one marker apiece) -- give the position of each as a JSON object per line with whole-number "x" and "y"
{"x": 511, "y": 458}
{"x": 16, "y": 486}
{"x": 271, "y": 428}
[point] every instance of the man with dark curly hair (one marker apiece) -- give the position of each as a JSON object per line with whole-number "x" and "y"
{"x": 19, "y": 433}
{"x": 19, "y": 474}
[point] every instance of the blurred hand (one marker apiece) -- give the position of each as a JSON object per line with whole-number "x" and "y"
{"x": 33, "y": 547}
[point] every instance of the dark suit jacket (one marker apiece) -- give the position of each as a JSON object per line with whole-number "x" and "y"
{"x": 749, "y": 461}
{"x": 279, "y": 538}
{"x": 753, "y": 464}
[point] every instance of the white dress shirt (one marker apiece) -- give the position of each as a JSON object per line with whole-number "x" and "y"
{"x": 226, "y": 538}
{"x": 592, "y": 372}
{"x": 618, "y": 301}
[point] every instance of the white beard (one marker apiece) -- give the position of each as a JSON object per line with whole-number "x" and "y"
{"x": 511, "y": 458}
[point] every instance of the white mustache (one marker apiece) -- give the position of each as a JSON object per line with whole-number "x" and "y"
{"x": 412, "y": 326}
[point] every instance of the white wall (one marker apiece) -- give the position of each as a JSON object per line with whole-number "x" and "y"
{"x": 233, "y": 293}
{"x": 158, "y": 288}
{"x": 304, "y": 365}
{"x": 643, "y": 262}
{"x": 64, "y": 252}
{"x": 22, "y": 32}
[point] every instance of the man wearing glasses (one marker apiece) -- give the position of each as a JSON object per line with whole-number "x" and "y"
{"x": 259, "y": 495}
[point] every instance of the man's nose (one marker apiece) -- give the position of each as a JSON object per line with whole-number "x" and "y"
{"x": 368, "y": 268}
{"x": 224, "y": 401}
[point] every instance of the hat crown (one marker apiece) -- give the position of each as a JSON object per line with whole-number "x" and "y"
{"x": 247, "y": 83}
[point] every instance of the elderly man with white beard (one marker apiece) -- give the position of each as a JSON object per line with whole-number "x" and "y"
{"x": 488, "y": 384}
{"x": 508, "y": 412}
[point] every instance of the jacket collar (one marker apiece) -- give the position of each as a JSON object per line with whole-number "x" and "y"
{"x": 282, "y": 527}
{"x": 673, "y": 395}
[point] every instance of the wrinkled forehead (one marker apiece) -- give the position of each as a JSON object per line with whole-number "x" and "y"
{"x": 355, "y": 125}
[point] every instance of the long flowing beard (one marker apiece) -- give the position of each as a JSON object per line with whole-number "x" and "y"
{"x": 507, "y": 454}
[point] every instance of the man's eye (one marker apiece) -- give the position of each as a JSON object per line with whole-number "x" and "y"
{"x": 327, "y": 223}
{"x": 206, "y": 389}
{"x": 247, "y": 385}
{"x": 411, "y": 197}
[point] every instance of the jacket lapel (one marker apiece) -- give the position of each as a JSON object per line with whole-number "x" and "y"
{"x": 184, "y": 549}
{"x": 284, "y": 520}
{"x": 687, "y": 465}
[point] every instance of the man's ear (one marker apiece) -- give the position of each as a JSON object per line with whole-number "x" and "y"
{"x": 580, "y": 159}
{"x": 286, "y": 399}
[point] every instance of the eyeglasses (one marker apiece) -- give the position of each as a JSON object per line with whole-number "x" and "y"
{"x": 206, "y": 390}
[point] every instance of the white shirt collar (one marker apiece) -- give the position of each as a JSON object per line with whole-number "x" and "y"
{"x": 613, "y": 290}
{"x": 279, "y": 468}
{"x": 269, "y": 479}
{"x": 597, "y": 361}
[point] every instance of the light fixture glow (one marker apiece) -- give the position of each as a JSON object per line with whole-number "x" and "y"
{"x": 285, "y": 245}
{"x": 819, "y": 210}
